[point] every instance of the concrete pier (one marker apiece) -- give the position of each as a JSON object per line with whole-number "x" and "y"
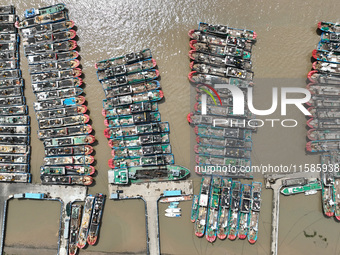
{"x": 150, "y": 194}
{"x": 64, "y": 194}
{"x": 275, "y": 182}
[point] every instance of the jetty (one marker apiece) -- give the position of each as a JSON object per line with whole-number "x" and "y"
{"x": 150, "y": 193}
{"x": 276, "y": 182}
{"x": 64, "y": 194}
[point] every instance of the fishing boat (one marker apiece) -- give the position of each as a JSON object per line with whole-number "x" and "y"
{"x": 224, "y": 206}
{"x": 311, "y": 186}
{"x": 324, "y": 102}
{"x": 69, "y": 170}
{"x": 203, "y": 200}
{"x": 329, "y": 46}
{"x": 194, "y": 207}
{"x": 9, "y": 64}
{"x": 9, "y": 46}
{"x": 57, "y": 85}
{"x": 69, "y": 150}
{"x": 29, "y": 13}
{"x": 196, "y": 119}
{"x": 212, "y": 214}
{"x": 42, "y": 19}
{"x": 8, "y": 18}
{"x": 8, "y": 28}
{"x": 173, "y": 215}
{"x": 143, "y": 129}
{"x": 9, "y": 74}
{"x": 324, "y": 123}
{"x": 14, "y": 110}
{"x": 130, "y": 152}
{"x": 123, "y": 60}
{"x": 331, "y": 57}
{"x": 139, "y": 174}
{"x": 14, "y": 130}
{"x": 329, "y": 27}
{"x": 324, "y": 78}
{"x": 219, "y": 61}
{"x": 173, "y": 210}
{"x": 129, "y": 79}
{"x": 132, "y": 141}
{"x": 56, "y": 75}
{"x": 314, "y": 134}
{"x": 71, "y": 140}
{"x": 84, "y": 129}
{"x": 219, "y": 50}
{"x": 68, "y": 160}
{"x": 327, "y": 194}
{"x": 66, "y": 180}
{"x": 58, "y": 102}
{"x": 15, "y": 177}
{"x": 218, "y": 132}
{"x": 234, "y": 210}
{"x": 175, "y": 198}
{"x": 222, "y": 71}
{"x": 222, "y": 30}
{"x": 255, "y": 212}
{"x": 222, "y": 111}
{"x": 9, "y": 37}
{"x": 64, "y": 121}
{"x": 219, "y": 142}
{"x": 49, "y": 37}
{"x": 210, "y": 150}
{"x": 324, "y": 113}
{"x": 85, "y": 221}
{"x": 323, "y": 90}
{"x": 11, "y": 92}
{"x": 50, "y": 47}
{"x": 245, "y": 206}
{"x": 222, "y": 161}
{"x": 16, "y": 82}
{"x": 126, "y": 69}
{"x": 150, "y": 96}
{"x": 131, "y": 109}
{"x": 14, "y": 139}
{"x": 17, "y": 120}
{"x": 336, "y": 195}
{"x": 98, "y": 208}
{"x": 155, "y": 160}
{"x": 14, "y": 168}
{"x": 330, "y": 37}
{"x": 51, "y": 58}
{"x": 324, "y": 67}
{"x": 74, "y": 228}
{"x": 47, "y": 28}
{"x": 132, "y": 89}
{"x": 61, "y": 112}
{"x": 201, "y": 36}
{"x": 323, "y": 145}
{"x": 53, "y": 66}
{"x": 14, "y": 159}
{"x": 135, "y": 119}
{"x": 9, "y": 9}
{"x": 9, "y": 55}
{"x": 14, "y": 149}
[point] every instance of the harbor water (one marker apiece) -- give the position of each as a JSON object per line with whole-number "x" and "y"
{"x": 281, "y": 58}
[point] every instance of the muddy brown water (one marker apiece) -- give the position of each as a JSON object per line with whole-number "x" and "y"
{"x": 286, "y": 37}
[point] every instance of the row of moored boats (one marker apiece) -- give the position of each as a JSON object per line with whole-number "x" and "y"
{"x": 225, "y": 208}
{"x": 324, "y": 124}
{"x": 140, "y": 143}
{"x": 49, "y": 46}
{"x": 221, "y": 55}
{"x": 14, "y": 119}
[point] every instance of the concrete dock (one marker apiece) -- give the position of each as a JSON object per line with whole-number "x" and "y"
{"x": 275, "y": 182}
{"x": 150, "y": 193}
{"x": 64, "y": 194}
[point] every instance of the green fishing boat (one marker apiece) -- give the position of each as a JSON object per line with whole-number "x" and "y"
{"x": 203, "y": 200}
{"x": 243, "y": 225}
{"x": 255, "y": 212}
{"x": 147, "y": 174}
{"x": 223, "y": 214}
{"x": 212, "y": 215}
{"x": 234, "y": 210}
{"x": 308, "y": 189}
{"x": 194, "y": 207}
